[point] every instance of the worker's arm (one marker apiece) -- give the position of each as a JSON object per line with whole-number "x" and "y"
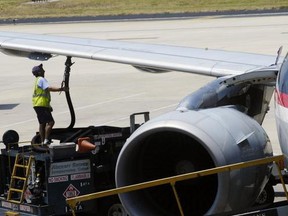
{"x": 57, "y": 89}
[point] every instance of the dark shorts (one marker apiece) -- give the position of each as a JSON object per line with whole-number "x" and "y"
{"x": 44, "y": 114}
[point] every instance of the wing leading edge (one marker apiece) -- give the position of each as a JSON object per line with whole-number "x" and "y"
{"x": 159, "y": 57}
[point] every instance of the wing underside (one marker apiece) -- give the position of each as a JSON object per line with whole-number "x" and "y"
{"x": 150, "y": 56}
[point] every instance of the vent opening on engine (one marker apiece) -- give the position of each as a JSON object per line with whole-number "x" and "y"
{"x": 169, "y": 153}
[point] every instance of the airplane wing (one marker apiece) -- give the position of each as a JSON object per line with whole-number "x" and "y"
{"x": 148, "y": 57}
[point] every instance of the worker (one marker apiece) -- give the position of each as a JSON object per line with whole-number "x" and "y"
{"x": 41, "y": 103}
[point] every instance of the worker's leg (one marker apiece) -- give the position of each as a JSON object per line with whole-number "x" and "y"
{"x": 46, "y": 122}
{"x": 42, "y": 132}
{"x": 48, "y": 130}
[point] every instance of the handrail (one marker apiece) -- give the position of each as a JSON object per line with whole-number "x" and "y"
{"x": 72, "y": 202}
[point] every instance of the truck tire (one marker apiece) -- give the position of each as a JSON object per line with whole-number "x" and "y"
{"x": 267, "y": 196}
{"x": 111, "y": 206}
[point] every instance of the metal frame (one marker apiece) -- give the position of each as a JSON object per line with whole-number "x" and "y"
{"x": 72, "y": 202}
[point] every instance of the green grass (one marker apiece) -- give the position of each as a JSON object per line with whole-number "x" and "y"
{"x": 27, "y": 9}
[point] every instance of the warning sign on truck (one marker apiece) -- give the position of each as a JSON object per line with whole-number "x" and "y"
{"x": 71, "y": 191}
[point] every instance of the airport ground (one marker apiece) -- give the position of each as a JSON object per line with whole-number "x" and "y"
{"x": 107, "y": 93}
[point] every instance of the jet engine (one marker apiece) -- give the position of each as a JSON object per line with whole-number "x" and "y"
{"x": 191, "y": 140}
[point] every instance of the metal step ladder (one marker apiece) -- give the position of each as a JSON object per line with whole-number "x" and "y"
{"x": 19, "y": 177}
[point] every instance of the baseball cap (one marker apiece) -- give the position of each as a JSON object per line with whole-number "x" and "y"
{"x": 38, "y": 68}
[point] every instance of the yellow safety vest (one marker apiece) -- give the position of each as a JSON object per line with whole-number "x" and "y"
{"x": 41, "y": 98}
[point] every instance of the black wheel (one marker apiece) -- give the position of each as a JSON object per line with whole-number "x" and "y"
{"x": 111, "y": 206}
{"x": 267, "y": 195}
{"x": 10, "y": 139}
{"x": 117, "y": 210}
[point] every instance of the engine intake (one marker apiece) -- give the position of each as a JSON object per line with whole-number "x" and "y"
{"x": 186, "y": 141}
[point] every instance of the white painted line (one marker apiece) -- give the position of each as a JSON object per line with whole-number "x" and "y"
{"x": 78, "y": 108}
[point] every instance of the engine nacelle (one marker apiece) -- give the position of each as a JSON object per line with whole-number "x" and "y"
{"x": 186, "y": 141}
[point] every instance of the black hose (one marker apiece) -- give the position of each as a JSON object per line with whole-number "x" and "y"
{"x": 68, "y": 65}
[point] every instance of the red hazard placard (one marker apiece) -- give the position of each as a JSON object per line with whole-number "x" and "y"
{"x": 71, "y": 191}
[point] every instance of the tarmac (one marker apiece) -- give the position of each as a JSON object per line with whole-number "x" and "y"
{"x": 107, "y": 93}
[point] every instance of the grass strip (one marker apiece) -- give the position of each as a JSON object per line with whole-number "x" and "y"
{"x": 13, "y": 9}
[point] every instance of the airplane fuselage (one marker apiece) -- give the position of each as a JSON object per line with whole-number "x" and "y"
{"x": 281, "y": 108}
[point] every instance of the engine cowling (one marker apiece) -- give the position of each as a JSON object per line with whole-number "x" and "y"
{"x": 186, "y": 141}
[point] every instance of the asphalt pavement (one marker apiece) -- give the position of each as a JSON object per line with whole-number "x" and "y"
{"x": 107, "y": 93}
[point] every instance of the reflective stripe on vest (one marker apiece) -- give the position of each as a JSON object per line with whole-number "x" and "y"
{"x": 40, "y": 98}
